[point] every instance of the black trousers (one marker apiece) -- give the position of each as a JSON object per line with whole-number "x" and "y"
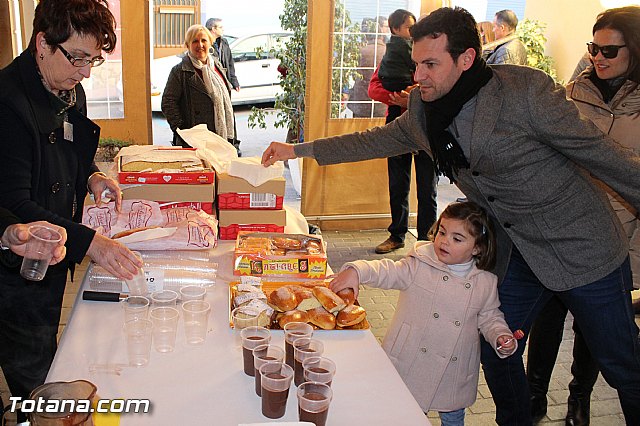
{"x": 399, "y": 169}
{"x": 29, "y": 318}
{"x": 544, "y": 343}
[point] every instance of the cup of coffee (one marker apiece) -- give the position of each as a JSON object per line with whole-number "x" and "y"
{"x": 39, "y": 249}
{"x": 293, "y": 331}
{"x": 261, "y": 355}
{"x": 252, "y": 337}
{"x": 276, "y": 380}
{"x": 319, "y": 369}
{"x": 313, "y": 402}
{"x": 303, "y": 348}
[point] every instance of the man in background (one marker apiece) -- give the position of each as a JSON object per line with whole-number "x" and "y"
{"x": 507, "y": 47}
{"x": 222, "y": 50}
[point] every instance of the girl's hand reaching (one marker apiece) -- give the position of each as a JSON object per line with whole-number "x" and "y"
{"x": 346, "y": 279}
{"x": 506, "y": 344}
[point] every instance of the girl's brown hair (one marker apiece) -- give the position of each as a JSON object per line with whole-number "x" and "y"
{"x": 478, "y": 225}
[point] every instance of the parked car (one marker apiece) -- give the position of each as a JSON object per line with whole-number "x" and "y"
{"x": 256, "y": 69}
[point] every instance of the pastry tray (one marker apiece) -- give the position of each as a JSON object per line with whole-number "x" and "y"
{"x": 269, "y": 286}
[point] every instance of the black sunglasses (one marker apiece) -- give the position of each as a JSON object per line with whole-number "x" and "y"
{"x": 81, "y": 62}
{"x": 608, "y": 52}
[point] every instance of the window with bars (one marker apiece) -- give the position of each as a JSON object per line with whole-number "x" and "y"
{"x": 360, "y": 35}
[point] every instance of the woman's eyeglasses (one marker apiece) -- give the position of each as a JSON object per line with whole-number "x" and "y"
{"x": 81, "y": 62}
{"x": 608, "y": 52}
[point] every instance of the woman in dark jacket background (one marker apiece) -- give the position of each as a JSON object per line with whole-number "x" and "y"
{"x": 197, "y": 90}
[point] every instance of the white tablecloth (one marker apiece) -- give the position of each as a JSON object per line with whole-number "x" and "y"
{"x": 205, "y": 385}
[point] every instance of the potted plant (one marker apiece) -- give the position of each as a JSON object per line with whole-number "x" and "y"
{"x": 531, "y": 33}
{"x": 109, "y": 147}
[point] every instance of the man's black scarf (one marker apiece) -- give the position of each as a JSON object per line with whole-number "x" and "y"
{"x": 448, "y": 157}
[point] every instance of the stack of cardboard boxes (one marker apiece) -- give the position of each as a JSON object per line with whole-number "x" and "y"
{"x": 175, "y": 191}
{"x": 244, "y": 207}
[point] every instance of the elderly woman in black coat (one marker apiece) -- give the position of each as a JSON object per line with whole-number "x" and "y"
{"x": 197, "y": 91}
{"x": 47, "y": 145}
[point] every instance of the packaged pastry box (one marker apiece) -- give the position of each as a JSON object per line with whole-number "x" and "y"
{"x": 270, "y": 318}
{"x": 265, "y": 254}
{"x": 145, "y": 172}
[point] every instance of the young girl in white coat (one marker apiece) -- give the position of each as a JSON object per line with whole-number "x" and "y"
{"x": 447, "y": 299}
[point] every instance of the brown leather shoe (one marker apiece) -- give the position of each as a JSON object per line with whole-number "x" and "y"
{"x": 388, "y": 246}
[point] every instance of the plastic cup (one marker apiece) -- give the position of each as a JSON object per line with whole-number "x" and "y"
{"x": 252, "y": 337}
{"x": 135, "y": 307}
{"x": 293, "y": 331}
{"x": 192, "y": 292}
{"x": 319, "y": 369}
{"x": 303, "y": 348}
{"x": 139, "y": 336}
{"x": 196, "y": 318}
{"x": 165, "y": 327}
{"x": 276, "y": 380}
{"x": 138, "y": 284}
{"x": 263, "y": 354}
{"x": 313, "y": 402}
{"x": 164, "y": 298}
{"x": 39, "y": 251}
{"x": 243, "y": 318}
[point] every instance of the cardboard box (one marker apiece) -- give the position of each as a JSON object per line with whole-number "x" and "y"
{"x": 233, "y": 221}
{"x": 263, "y": 260}
{"x": 237, "y": 194}
{"x": 200, "y": 177}
{"x": 171, "y": 196}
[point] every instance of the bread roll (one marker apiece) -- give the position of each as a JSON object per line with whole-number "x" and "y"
{"x": 292, "y": 316}
{"x": 347, "y": 295}
{"x": 308, "y": 304}
{"x": 328, "y": 299}
{"x": 322, "y": 318}
{"x": 351, "y": 315}
{"x": 283, "y": 299}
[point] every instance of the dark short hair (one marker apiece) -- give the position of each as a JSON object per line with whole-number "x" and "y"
{"x": 627, "y": 21}
{"x": 478, "y": 225}
{"x": 59, "y": 19}
{"x": 397, "y": 18}
{"x": 211, "y": 22}
{"x": 507, "y": 17}
{"x": 459, "y": 26}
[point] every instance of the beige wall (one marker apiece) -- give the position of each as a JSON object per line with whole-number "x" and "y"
{"x": 569, "y": 26}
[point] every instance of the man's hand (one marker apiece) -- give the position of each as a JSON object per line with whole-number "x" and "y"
{"x": 401, "y": 99}
{"x": 98, "y": 182}
{"x": 277, "y": 151}
{"x": 16, "y": 236}
{"x": 114, "y": 257}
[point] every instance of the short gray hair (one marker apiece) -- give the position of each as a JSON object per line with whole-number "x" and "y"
{"x": 507, "y": 17}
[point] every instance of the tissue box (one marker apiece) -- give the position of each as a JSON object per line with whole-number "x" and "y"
{"x": 269, "y": 254}
{"x": 235, "y": 193}
{"x": 233, "y": 221}
{"x": 200, "y": 177}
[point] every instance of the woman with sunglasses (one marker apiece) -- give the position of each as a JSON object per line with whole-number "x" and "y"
{"x": 607, "y": 92}
{"x": 47, "y": 145}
